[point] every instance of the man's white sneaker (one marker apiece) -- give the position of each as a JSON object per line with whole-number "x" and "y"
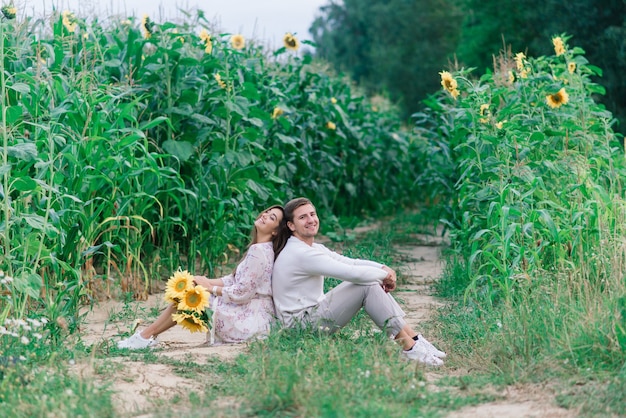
{"x": 137, "y": 342}
{"x": 419, "y": 353}
{"x": 431, "y": 348}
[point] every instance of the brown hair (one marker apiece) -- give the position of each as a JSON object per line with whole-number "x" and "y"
{"x": 254, "y": 239}
{"x": 283, "y": 230}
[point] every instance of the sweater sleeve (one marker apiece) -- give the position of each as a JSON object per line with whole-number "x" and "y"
{"x": 247, "y": 277}
{"x": 322, "y": 261}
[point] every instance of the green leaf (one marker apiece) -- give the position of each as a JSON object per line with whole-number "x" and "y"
{"x": 24, "y": 184}
{"x": 25, "y": 151}
{"x": 20, "y": 87}
{"x": 154, "y": 122}
{"x": 29, "y": 284}
{"x": 182, "y": 150}
{"x": 14, "y": 114}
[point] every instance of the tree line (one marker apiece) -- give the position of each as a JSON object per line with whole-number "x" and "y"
{"x": 398, "y": 47}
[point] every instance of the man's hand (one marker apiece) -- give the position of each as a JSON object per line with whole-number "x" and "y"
{"x": 389, "y": 282}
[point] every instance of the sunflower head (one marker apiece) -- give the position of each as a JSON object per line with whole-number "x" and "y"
{"x": 330, "y": 125}
{"x": 206, "y": 40}
{"x": 190, "y": 321}
{"x": 519, "y": 60}
{"x": 571, "y": 67}
{"x": 291, "y": 42}
{"x": 148, "y": 27}
{"x": 447, "y": 81}
{"x": 333, "y": 100}
{"x": 195, "y": 299}
{"x": 557, "y": 99}
{"x": 9, "y": 12}
{"x": 219, "y": 80}
{"x": 238, "y": 41}
{"x": 277, "y": 112}
{"x": 69, "y": 21}
{"x": 177, "y": 286}
{"x": 559, "y": 46}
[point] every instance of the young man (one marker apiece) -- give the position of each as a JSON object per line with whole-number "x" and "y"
{"x": 298, "y": 286}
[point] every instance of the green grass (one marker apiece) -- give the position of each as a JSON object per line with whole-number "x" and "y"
{"x": 356, "y": 372}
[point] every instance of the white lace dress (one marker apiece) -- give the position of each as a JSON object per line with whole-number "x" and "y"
{"x": 245, "y": 309}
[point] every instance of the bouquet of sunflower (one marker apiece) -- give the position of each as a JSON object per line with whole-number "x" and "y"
{"x": 192, "y": 302}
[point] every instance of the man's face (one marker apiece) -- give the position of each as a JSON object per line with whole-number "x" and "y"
{"x": 305, "y": 223}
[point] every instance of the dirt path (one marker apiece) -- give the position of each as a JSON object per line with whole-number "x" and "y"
{"x": 422, "y": 267}
{"x": 139, "y": 384}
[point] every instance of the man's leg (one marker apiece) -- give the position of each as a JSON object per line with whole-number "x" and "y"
{"x": 344, "y": 301}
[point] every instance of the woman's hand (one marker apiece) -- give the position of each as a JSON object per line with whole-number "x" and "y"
{"x": 206, "y": 282}
{"x": 202, "y": 281}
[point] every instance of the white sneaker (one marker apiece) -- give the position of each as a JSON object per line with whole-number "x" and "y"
{"x": 431, "y": 348}
{"x": 419, "y": 353}
{"x": 137, "y": 342}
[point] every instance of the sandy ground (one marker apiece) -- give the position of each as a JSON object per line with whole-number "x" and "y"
{"x": 138, "y": 384}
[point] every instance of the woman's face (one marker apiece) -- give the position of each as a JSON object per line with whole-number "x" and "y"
{"x": 268, "y": 221}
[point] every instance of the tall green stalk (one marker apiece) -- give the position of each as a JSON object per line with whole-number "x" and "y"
{"x": 6, "y": 238}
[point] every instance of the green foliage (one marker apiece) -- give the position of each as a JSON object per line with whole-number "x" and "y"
{"x": 133, "y": 148}
{"x": 489, "y": 26}
{"x": 533, "y": 198}
{"x": 353, "y": 373}
{"x": 390, "y": 47}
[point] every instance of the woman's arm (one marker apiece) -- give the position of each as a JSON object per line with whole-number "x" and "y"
{"x": 207, "y": 283}
{"x": 252, "y": 270}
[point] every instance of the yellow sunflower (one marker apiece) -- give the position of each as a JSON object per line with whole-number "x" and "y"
{"x": 190, "y": 321}
{"x": 177, "y": 286}
{"x": 277, "y": 112}
{"x": 9, "y": 12}
{"x": 333, "y": 100}
{"x": 195, "y": 299}
{"x": 219, "y": 80}
{"x": 571, "y": 67}
{"x": 206, "y": 39}
{"x": 447, "y": 81}
{"x": 146, "y": 24}
{"x": 69, "y": 21}
{"x": 559, "y": 46}
{"x": 238, "y": 41}
{"x": 454, "y": 93}
{"x": 557, "y": 99}
{"x": 330, "y": 125}
{"x": 291, "y": 42}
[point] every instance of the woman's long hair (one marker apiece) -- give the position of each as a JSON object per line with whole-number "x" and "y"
{"x": 254, "y": 236}
{"x": 283, "y": 230}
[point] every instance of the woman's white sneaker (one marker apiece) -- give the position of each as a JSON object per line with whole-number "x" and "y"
{"x": 137, "y": 342}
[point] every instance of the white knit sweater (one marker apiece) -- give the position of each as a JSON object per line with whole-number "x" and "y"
{"x": 299, "y": 271}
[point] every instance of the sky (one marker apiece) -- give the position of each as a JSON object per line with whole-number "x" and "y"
{"x": 264, "y": 20}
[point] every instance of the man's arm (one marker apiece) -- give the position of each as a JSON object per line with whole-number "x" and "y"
{"x": 319, "y": 260}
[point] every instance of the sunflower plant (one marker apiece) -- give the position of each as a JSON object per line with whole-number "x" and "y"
{"x": 192, "y": 302}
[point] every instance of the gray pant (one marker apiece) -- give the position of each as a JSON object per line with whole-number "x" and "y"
{"x": 344, "y": 301}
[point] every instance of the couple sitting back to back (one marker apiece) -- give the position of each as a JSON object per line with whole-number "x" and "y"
{"x": 283, "y": 262}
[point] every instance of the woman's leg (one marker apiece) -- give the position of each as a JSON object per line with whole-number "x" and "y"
{"x": 162, "y": 323}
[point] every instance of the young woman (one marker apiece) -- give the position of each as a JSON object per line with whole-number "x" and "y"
{"x": 241, "y": 302}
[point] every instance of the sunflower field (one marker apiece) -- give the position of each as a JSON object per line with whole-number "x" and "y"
{"x": 531, "y": 179}
{"x": 133, "y": 148}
